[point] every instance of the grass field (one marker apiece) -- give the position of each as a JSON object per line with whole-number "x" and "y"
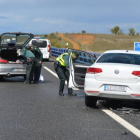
{"x": 103, "y": 42}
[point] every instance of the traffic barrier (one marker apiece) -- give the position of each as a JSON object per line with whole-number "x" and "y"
{"x": 83, "y": 57}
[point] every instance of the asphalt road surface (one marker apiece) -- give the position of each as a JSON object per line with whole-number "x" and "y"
{"x": 37, "y": 112}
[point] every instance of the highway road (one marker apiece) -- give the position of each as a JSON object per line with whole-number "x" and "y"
{"x": 37, "y": 112}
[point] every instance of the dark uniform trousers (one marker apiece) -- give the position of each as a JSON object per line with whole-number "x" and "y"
{"x": 63, "y": 75}
{"x": 30, "y": 69}
{"x": 37, "y": 70}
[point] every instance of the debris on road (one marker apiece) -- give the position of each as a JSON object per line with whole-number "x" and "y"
{"x": 123, "y": 107}
{"x": 125, "y": 133}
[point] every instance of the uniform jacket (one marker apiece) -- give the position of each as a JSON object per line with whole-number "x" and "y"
{"x": 27, "y": 54}
{"x": 38, "y": 54}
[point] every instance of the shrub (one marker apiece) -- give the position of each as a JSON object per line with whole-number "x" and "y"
{"x": 57, "y": 45}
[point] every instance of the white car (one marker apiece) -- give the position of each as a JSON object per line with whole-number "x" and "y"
{"x": 43, "y": 44}
{"x": 114, "y": 75}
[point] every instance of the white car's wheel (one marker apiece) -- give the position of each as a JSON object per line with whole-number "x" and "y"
{"x": 90, "y": 101}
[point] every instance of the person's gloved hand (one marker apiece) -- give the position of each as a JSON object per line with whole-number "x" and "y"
{"x": 68, "y": 69}
{"x": 19, "y": 52}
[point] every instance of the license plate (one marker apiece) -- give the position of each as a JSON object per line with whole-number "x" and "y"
{"x": 18, "y": 69}
{"x": 115, "y": 88}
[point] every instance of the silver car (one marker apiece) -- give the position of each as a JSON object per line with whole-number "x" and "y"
{"x": 9, "y": 60}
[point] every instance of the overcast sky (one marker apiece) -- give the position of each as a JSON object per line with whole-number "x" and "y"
{"x": 68, "y": 16}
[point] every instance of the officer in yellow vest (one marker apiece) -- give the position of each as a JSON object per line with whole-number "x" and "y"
{"x": 60, "y": 65}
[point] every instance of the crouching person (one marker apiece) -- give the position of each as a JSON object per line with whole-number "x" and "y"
{"x": 29, "y": 58}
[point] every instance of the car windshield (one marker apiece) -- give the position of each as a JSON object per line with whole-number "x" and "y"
{"x": 13, "y": 39}
{"x": 39, "y": 43}
{"x": 123, "y": 58}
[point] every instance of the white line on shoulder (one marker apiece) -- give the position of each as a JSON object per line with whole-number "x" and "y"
{"x": 120, "y": 120}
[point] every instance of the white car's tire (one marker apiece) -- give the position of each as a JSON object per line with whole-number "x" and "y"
{"x": 90, "y": 101}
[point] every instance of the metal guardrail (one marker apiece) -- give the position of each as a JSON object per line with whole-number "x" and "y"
{"x": 83, "y": 58}
{"x": 57, "y": 51}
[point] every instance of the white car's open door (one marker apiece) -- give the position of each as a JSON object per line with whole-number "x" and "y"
{"x": 79, "y": 67}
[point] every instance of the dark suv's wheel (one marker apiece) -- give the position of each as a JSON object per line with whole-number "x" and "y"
{"x": 90, "y": 101}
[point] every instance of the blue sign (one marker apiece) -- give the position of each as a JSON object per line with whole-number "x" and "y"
{"x": 136, "y": 46}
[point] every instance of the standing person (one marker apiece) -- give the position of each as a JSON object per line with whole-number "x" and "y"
{"x": 61, "y": 66}
{"x": 31, "y": 62}
{"x": 39, "y": 57}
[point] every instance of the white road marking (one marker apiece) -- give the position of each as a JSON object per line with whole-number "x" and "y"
{"x": 120, "y": 120}
{"x": 117, "y": 118}
{"x": 57, "y": 76}
{"x": 51, "y": 71}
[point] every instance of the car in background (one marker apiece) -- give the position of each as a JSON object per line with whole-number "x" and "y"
{"x": 115, "y": 75}
{"x": 43, "y": 44}
{"x": 9, "y": 43}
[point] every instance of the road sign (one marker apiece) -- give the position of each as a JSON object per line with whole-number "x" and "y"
{"x": 136, "y": 46}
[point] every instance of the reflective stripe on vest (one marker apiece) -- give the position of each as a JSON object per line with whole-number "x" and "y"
{"x": 61, "y": 60}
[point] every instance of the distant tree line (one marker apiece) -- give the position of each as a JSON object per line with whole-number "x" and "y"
{"x": 117, "y": 31}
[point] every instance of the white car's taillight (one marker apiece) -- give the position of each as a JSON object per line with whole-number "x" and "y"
{"x": 94, "y": 70}
{"x": 136, "y": 73}
{"x": 48, "y": 48}
{"x": 2, "y": 61}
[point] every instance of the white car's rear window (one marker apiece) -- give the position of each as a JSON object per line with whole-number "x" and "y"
{"x": 123, "y": 58}
{"x": 39, "y": 43}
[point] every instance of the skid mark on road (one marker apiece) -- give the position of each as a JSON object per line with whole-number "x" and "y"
{"x": 114, "y": 116}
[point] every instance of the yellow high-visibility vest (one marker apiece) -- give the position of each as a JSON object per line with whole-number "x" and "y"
{"x": 61, "y": 60}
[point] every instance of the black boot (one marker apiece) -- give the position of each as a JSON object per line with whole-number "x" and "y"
{"x": 26, "y": 82}
{"x": 61, "y": 94}
{"x": 72, "y": 94}
{"x": 35, "y": 82}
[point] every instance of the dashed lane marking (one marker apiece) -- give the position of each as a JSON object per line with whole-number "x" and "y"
{"x": 120, "y": 120}
{"x": 57, "y": 76}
